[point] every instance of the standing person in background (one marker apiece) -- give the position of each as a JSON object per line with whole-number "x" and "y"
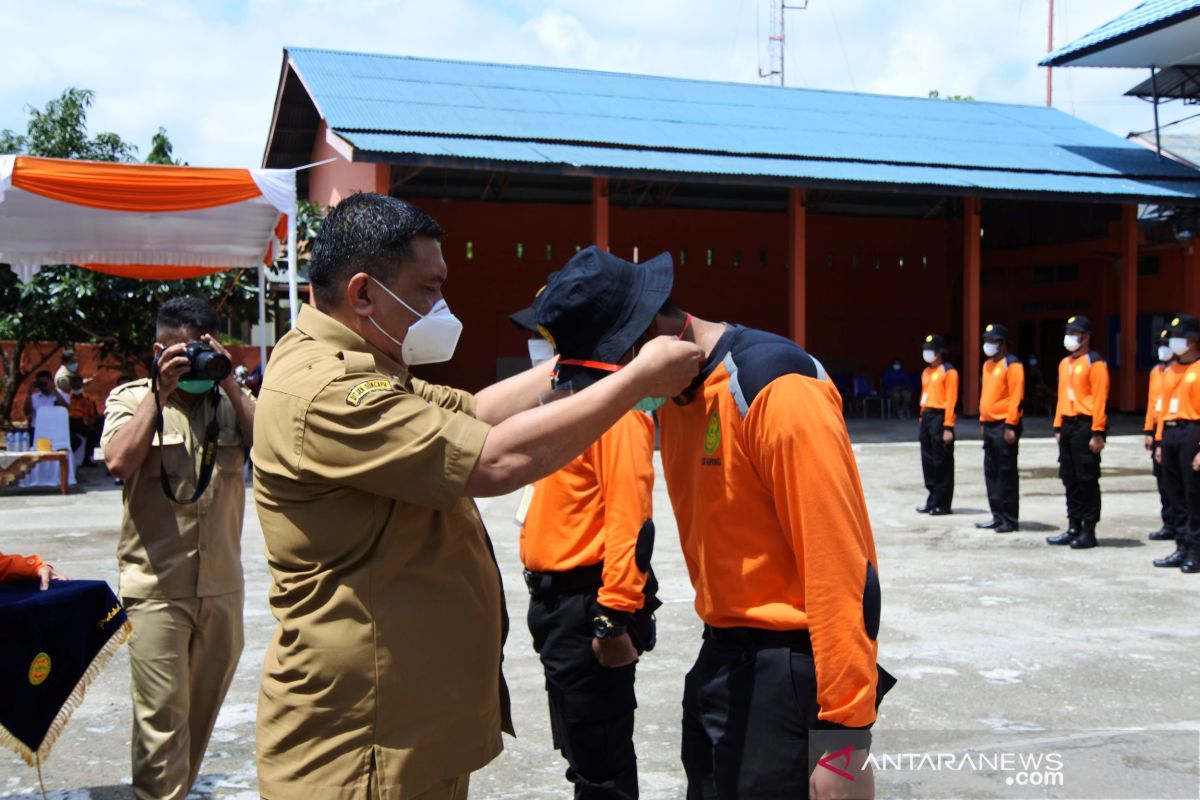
{"x": 1179, "y": 426}
{"x": 586, "y": 543}
{"x": 179, "y": 559}
{"x": 1080, "y": 427}
{"x": 68, "y": 367}
{"x": 939, "y": 395}
{"x": 84, "y": 420}
{"x": 1173, "y": 517}
{"x": 1001, "y": 398}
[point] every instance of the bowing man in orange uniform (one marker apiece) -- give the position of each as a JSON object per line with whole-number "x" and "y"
{"x": 1173, "y": 518}
{"x": 1080, "y": 428}
{"x": 1001, "y": 399}
{"x": 939, "y": 396}
{"x": 586, "y": 543}
{"x": 778, "y": 545}
{"x": 1179, "y": 426}
{"x": 15, "y": 568}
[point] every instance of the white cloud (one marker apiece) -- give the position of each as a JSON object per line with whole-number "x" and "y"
{"x": 207, "y": 71}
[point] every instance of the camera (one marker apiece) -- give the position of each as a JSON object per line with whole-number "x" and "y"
{"x": 206, "y": 363}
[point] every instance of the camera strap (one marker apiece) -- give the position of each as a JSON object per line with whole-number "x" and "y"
{"x": 208, "y": 460}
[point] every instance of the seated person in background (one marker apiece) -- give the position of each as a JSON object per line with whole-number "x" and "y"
{"x": 896, "y": 385}
{"x": 15, "y": 568}
{"x": 43, "y": 394}
{"x": 85, "y": 420}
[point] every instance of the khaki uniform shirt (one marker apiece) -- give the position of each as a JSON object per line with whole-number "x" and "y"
{"x": 384, "y": 674}
{"x": 168, "y": 550}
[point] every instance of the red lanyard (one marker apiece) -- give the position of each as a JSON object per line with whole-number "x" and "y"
{"x": 605, "y": 366}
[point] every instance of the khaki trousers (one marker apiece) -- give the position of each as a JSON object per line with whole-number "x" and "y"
{"x": 182, "y": 657}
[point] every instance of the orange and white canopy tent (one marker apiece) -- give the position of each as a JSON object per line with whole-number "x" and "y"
{"x": 145, "y": 221}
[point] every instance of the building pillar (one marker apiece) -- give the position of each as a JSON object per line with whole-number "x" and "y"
{"x": 600, "y": 229}
{"x": 971, "y": 235}
{"x": 797, "y": 266}
{"x": 1127, "y": 391}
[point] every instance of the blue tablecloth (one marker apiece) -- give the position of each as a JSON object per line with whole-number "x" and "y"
{"x": 52, "y": 645}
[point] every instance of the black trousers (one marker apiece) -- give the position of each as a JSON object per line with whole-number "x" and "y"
{"x": 1000, "y": 472}
{"x": 937, "y": 459}
{"x": 1181, "y": 482}
{"x": 1174, "y": 517}
{"x": 1079, "y": 469}
{"x": 750, "y": 720}
{"x": 86, "y": 435}
{"x": 591, "y": 707}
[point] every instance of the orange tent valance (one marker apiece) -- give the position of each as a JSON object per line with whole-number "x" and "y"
{"x": 133, "y": 187}
{"x": 152, "y": 272}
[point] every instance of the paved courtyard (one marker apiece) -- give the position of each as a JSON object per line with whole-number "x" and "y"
{"x": 989, "y": 634}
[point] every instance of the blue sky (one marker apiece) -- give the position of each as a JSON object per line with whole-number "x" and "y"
{"x": 207, "y": 71}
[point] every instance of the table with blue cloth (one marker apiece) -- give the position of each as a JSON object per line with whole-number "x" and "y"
{"x": 53, "y": 644}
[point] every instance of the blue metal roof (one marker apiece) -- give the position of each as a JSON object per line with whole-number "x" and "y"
{"x": 1138, "y": 21}
{"x": 392, "y": 108}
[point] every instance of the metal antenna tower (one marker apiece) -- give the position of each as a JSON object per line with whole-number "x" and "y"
{"x": 776, "y": 38}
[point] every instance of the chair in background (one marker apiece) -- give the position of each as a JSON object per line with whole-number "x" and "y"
{"x": 864, "y": 395}
{"x": 51, "y": 422}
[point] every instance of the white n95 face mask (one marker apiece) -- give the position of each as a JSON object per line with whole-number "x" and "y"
{"x": 1178, "y": 345}
{"x": 990, "y": 349}
{"x": 1072, "y": 343}
{"x": 929, "y": 356}
{"x": 1165, "y": 353}
{"x": 431, "y": 339}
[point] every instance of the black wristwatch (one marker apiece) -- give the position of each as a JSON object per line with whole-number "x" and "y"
{"x": 604, "y": 628}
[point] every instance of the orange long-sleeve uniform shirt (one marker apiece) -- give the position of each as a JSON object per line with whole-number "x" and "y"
{"x": 592, "y": 510}
{"x": 1154, "y": 398}
{"x": 1002, "y": 391}
{"x": 939, "y": 389}
{"x": 771, "y": 514}
{"x": 14, "y": 567}
{"x": 1083, "y": 390}
{"x": 1180, "y": 393}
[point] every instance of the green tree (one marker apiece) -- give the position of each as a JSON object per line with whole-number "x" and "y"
{"x": 160, "y": 149}
{"x": 67, "y": 304}
{"x": 934, "y": 94}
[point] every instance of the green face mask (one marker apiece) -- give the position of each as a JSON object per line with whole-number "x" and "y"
{"x": 197, "y": 387}
{"x": 650, "y": 404}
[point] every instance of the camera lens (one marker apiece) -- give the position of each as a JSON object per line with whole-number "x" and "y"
{"x": 212, "y": 365}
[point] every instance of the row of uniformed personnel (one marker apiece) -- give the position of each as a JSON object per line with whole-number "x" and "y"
{"x": 1080, "y": 429}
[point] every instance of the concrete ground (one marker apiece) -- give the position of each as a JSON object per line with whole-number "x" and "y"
{"x": 990, "y": 635}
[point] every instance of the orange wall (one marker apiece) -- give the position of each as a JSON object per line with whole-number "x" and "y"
{"x": 329, "y": 183}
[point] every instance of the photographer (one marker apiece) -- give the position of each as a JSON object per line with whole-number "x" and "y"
{"x": 177, "y": 440}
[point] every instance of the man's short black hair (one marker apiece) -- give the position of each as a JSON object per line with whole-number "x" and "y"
{"x": 368, "y": 233}
{"x": 188, "y": 314}
{"x": 42, "y": 373}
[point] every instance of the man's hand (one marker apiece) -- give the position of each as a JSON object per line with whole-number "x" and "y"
{"x": 1010, "y": 436}
{"x": 229, "y": 382}
{"x": 1058, "y": 438}
{"x": 1158, "y": 456}
{"x": 1096, "y": 444}
{"x": 617, "y": 651}
{"x": 173, "y": 364}
{"x": 46, "y": 574}
{"x": 948, "y": 436}
{"x": 667, "y": 365}
{"x": 825, "y": 784}
{"x": 1196, "y": 463}
{"x": 1149, "y": 442}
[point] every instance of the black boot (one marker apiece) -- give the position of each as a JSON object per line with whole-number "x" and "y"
{"x": 1086, "y": 538}
{"x": 1163, "y": 534}
{"x": 1191, "y": 563}
{"x": 1067, "y": 536}
{"x": 994, "y": 522}
{"x": 1176, "y": 559}
{"x": 925, "y": 509}
{"x": 1006, "y": 527}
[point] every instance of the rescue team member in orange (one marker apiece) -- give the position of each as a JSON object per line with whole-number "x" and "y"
{"x": 586, "y": 544}
{"x": 1080, "y": 425}
{"x": 16, "y": 568}
{"x": 1179, "y": 426}
{"x": 1174, "y": 518}
{"x": 1000, "y": 402}
{"x": 778, "y": 546}
{"x": 939, "y": 396}
{"x": 383, "y": 678}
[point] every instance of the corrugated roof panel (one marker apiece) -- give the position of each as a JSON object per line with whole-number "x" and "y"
{"x": 641, "y": 118}
{"x": 815, "y": 170}
{"x": 1145, "y": 15}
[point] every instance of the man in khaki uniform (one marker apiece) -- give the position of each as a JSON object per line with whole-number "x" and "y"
{"x": 180, "y": 564}
{"x": 383, "y": 679}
